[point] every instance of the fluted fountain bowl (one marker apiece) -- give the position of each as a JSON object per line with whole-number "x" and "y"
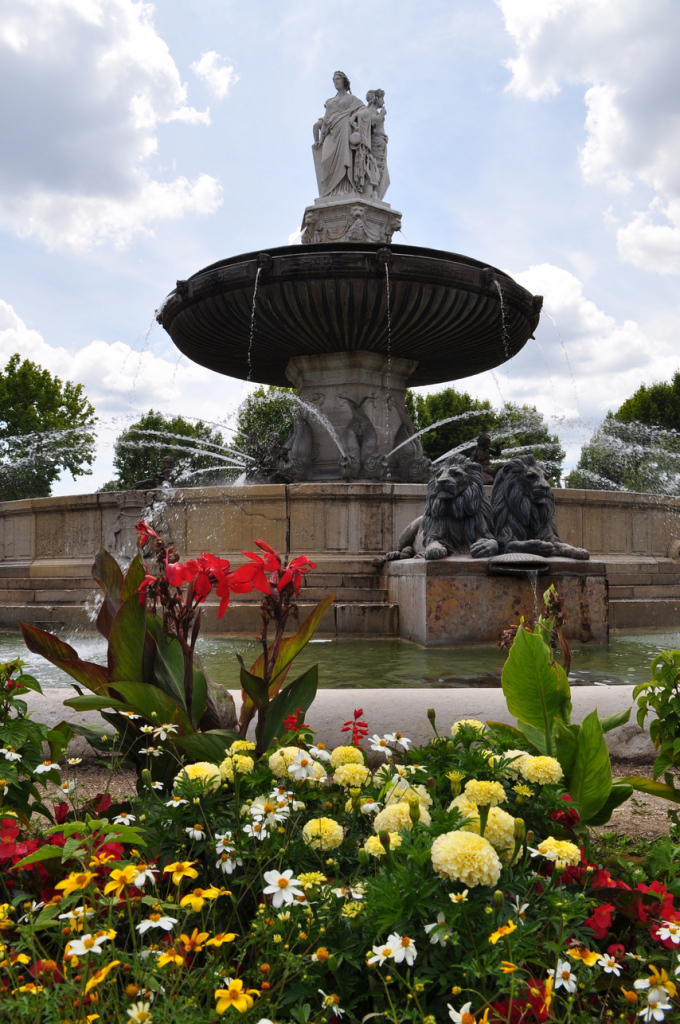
{"x": 445, "y": 310}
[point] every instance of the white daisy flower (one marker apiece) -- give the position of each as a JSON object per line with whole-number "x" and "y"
{"x": 176, "y": 801}
{"x": 151, "y": 751}
{"x": 156, "y": 921}
{"x": 398, "y": 740}
{"x": 332, "y": 1002}
{"x": 609, "y": 965}
{"x": 462, "y": 1016}
{"x": 74, "y": 760}
{"x": 319, "y": 752}
{"x": 437, "y": 933}
{"x": 46, "y": 766}
{"x": 195, "y": 833}
{"x": 404, "y": 948}
{"x": 302, "y": 767}
{"x": 256, "y": 831}
{"x": 146, "y": 728}
{"x": 147, "y": 873}
{"x": 226, "y": 864}
{"x": 88, "y": 944}
{"x": 129, "y": 714}
{"x": 564, "y": 976}
{"x": 657, "y": 1002}
{"x": 124, "y": 818}
{"x": 281, "y": 886}
{"x": 670, "y": 930}
{"x": 381, "y": 744}
{"x": 381, "y": 954}
{"x": 161, "y": 732}
{"x": 10, "y": 754}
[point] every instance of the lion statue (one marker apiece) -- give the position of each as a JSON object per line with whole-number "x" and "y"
{"x": 523, "y": 510}
{"x": 457, "y": 513}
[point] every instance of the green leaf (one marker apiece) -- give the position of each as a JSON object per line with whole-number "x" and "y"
{"x": 126, "y": 642}
{"x": 44, "y": 853}
{"x": 619, "y": 793}
{"x": 645, "y": 785}
{"x": 134, "y": 577}
{"x": 29, "y": 683}
{"x": 535, "y": 737}
{"x": 566, "y": 740}
{"x": 506, "y": 733}
{"x": 59, "y": 739}
{"x": 168, "y": 663}
{"x": 298, "y": 694}
{"x": 590, "y": 781}
{"x": 72, "y": 844}
{"x": 610, "y": 722}
{"x": 94, "y": 677}
{"x": 109, "y": 576}
{"x": 536, "y": 688}
{"x": 92, "y": 733}
{"x": 153, "y": 704}
{"x": 199, "y": 697}
{"x": 124, "y": 834}
{"x": 208, "y": 746}
{"x": 255, "y": 687}
{"x": 93, "y": 702}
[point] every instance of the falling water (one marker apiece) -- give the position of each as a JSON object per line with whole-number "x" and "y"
{"x": 504, "y": 327}
{"x": 547, "y": 370}
{"x": 532, "y": 576}
{"x": 553, "y": 321}
{"x": 252, "y": 324}
{"x": 433, "y": 426}
{"x": 323, "y": 420}
{"x": 389, "y": 326}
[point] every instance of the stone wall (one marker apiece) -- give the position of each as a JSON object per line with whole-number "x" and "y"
{"x": 332, "y": 519}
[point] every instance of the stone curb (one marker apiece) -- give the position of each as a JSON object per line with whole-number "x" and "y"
{"x": 403, "y": 709}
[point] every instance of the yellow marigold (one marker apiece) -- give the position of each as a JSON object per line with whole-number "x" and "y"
{"x": 238, "y": 746}
{"x": 561, "y": 851}
{"x": 468, "y": 808}
{"x": 465, "y": 857}
{"x": 351, "y": 774}
{"x": 376, "y": 848}
{"x": 281, "y": 759}
{"x": 346, "y": 755}
{"x": 517, "y": 756}
{"x": 398, "y": 816}
{"x": 500, "y": 829}
{"x": 239, "y": 763}
{"x": 322, "y": 834}
{"x": 205, "y": 774}
{"x": 473, "y": 723}
{"x": 545, "y": 770}
{"x": 354, "y": 908}
{"x": 307, "y": 879}
{"x": 488, "y": 793}
{"x": 401, "y": 790}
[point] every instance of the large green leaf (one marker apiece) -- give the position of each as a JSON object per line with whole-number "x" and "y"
{"x": 208, "y": 746}
{"x": 289, "y": 649}
{"x": 507, "y": 734}
{"x": 59, "y": 738}
{"x": 566, "y": 741}
{"x": 534, "y": 736}
{"x": 610, "y": 722}
{"x": 153, "y": 704}
{"x": 38, "y": 856}
{"x": 94, "y": 677}
{"x": 255, "y": 688}
{"x": 199, "y": 696}
{"x": 590, "y": 781}
{"x": 645, "y": 785}
{"x": 298, "y": 694}
{"x": 168, "y": 665}
{"x": 536, "y": 688}
{"x": 109, "y": 576}
{"x": 619, "y": 793}
{"x": 94, "y": 702}
{"x": 126, "y": 642}
{"x": 134, "y": 577}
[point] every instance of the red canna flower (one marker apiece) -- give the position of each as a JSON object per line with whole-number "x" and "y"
{"x": 148, "y": 581}
{"x": 145, "y": 533}
{"x": 295, "y": 571}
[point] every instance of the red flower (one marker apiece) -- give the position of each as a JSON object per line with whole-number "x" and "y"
{"x": 61, "y": 812}
{"x": 359, "y": 729}
{"x": 249, "y": 576}
{"x": 292, "y": 723}
{"x": 295, "y": 571}
{"x": 601, "y": 920}
{"x": 148, "y": 581}
{"x": 145, "y": 533}
{"x": 566, "y": 816}
{"x": 616, "y": 950}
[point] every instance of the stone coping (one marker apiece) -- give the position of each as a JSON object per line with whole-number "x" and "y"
{"x": 400, "y": 708}
{"x": 463, "y": 565}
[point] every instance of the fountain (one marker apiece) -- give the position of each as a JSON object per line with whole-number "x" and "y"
{"x": 347, "y": 317}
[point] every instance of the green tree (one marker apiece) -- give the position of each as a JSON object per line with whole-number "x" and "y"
{"x": 521, "y": 429}
{"x": 265, "y": 411}
{"x": 629, "y": 456}
{"x": 657, "y": 405}
{"x": 46, "y": 426}
{"x": 201, "y": 457}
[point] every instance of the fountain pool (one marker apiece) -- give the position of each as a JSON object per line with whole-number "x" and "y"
{"x": 375, "y": 663}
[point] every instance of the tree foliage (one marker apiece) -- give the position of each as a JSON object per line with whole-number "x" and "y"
{"x": 198, "y": 450}
{"x": 46, "y": 426}
{"x": 657, "y": 405}
{"x": 519, "y": 429}
{"x": 265, "y": 411}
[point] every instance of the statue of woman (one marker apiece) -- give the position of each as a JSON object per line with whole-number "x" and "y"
{"x": 379, "y": 140}
{"x": 333, "y": 154}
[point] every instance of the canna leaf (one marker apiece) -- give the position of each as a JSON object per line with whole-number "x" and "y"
{"x": 39, "y": 641}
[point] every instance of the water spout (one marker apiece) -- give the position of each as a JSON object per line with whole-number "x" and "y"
{"x": 504, "y": 328}
{"x": 252, "y": 323}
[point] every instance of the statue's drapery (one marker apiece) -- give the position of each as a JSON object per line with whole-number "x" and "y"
{"x": 333, "y": 158}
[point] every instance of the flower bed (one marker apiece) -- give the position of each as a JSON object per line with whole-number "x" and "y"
{"x": 277, "y": 881}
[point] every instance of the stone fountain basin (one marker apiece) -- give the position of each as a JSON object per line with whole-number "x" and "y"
{"x": 445, "y": 310}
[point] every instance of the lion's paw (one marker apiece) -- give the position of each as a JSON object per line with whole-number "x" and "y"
{"x": 406, "y": 552}
{"x": 435, "y": 550}
{"x": 484, "y": 548}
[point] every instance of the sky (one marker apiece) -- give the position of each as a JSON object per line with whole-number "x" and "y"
{"x": 142, "y": 142}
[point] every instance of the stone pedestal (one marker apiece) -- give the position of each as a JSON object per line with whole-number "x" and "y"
{"x": 354, "y": 408}
{"x": 455, "y": 601}
{"x": 350, "y": 219}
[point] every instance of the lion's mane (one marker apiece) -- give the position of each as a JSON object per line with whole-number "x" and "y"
{"x": 456, "y": 522}
{"x": 516, "y": 513}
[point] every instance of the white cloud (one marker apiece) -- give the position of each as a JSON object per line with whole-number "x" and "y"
{"x": 85, "y": 86}
{"x": 218, "y": 76}
{"x": 625, "y": 53}
{"x": 122, "y": 382}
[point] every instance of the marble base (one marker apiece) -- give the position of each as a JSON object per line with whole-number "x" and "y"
{"x": 349, "y": 219}
{"x": 455, "y": 601}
